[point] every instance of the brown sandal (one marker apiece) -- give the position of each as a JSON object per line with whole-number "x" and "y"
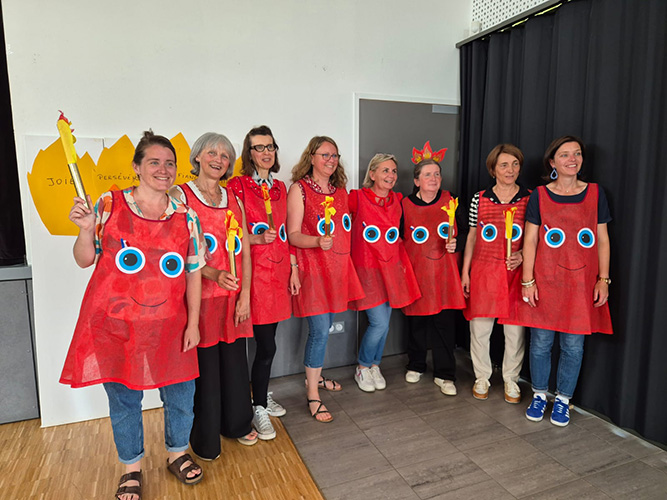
{"x": 319, "y": 411}
{"x": 182, "y": 475}
{"x": 129, "y": 490}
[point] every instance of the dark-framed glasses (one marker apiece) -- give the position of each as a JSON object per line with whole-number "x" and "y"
{"x": 261, "y": 147}
{"x": 327, "y": 156}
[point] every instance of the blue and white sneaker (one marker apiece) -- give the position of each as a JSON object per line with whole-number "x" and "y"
{"x": 535, "y": 411}
{"x": 560, "y": 415}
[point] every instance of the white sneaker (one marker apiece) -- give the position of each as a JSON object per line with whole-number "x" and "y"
{"x": 512, "y": 392}
{"x": 272, "y": 408}
{"x": 481, "y": 389}
{"x": 262, "y": 424}
{"x": 364, "y": 379}
{"x": 378, "y": 379}
{"x": 412, "y": 377}
{"x": 447, "y": 387}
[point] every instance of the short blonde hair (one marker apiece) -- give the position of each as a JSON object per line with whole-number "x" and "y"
{"x": 373, "y": 165}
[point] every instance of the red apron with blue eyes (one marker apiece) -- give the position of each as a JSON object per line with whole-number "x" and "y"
{"x": 270, "y": 297}
{"x": 566, "y": 268}
{"x": 328, "y": 278}
{"x": 425, "y": 230}
{"x": 216, "y": 316}
{"x": 133, "y": 314}
{"x": 495, "y": 292}
{"x": 379, "y": 256}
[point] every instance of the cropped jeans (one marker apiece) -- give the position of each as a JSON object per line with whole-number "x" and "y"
{"x": 318, "y": 335}
{"x": 127, "y": 423}
{"x": 569, "y": 362}
{"x": 372, "y": 343}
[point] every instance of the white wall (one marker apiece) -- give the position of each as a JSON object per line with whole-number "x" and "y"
{"x": 120, "y": 67}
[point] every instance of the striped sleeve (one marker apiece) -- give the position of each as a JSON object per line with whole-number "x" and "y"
{"x": 472, "y": 213}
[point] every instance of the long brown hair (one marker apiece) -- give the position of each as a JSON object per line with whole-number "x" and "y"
{"x": 305, "y": 165}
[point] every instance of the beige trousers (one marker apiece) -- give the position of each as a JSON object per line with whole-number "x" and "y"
{"x": 480, "y": 338}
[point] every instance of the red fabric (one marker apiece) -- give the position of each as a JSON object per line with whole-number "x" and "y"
{"x": 216, "y": 316}
{"x": 270, "y": 297}
{"x": 383, "y": 268}
{"x": 437, "y": 270}
{"x": 130, "y": 327}
{"x": 328, "y": 278}
{"x": 495, "y": 292}
{"x": 566, "y": 275}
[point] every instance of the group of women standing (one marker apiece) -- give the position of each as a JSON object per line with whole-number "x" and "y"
{"x": 205, "y": 266}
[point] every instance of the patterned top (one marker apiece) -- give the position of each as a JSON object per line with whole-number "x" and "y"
{"x": 197, "y": 249}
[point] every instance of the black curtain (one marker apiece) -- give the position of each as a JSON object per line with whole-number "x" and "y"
{"x": 596, "y": 69}
{"x": 12, "y": 243}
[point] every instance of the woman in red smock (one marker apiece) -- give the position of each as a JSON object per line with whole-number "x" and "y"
{"x": 381, "y": 263}
{"x": 328, "y": 278}
{"x": 274, "y": 280}
{"x": 565, "y": 280}
{"x": 490, "y": 279}
{"x": 139, "y": 317}
{"x": 222, "y": 403}
{"x": 431, "y": 252}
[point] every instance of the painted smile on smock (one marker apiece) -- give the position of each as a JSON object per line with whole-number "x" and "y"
{"x": 437, "y": 258}
{"x": 340, "y": 253}
{"x": 385, "y": 261}
{"x": 276, "y": 261}
{"x": 148, "y": 305}
{"x": 572, "y": 270}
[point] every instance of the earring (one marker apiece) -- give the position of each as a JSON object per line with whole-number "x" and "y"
{"x": 554, "y": 174}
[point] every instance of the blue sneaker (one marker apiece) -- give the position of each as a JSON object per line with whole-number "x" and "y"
{"x": 560, "y": 415}
{"x": 535, "y": 411}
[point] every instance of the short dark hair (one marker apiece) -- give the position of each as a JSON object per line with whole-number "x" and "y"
{"x": 150, "y": 139}
{"x": 555, "y": 146}
{"x": 506, "y": 148}
{"x": 247, "y": 165}
{"x": 418, "y": 170}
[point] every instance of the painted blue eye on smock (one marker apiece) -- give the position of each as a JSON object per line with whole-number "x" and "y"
{"x": 211, "y": 242}
{"x": 237, "y": 242}
{"x": 554, "y": 237}
{"x": 489, "y": 233}
{"x": 320, "y": 227}
{"x": 282, "y": 232}
{"x": 259, "y": 227}
{"x": 171, "y": 264}
{"x": 392, "y": 235}
{"x": 586, "y": 238}
{"x": 419, "y": 234}
{"x": 443, "y": 230}
{"x": 347, "y": 222}
{"x": 371, "y": 234}
{"x": 516, "y": 232}
{"x": 130, "y": 260}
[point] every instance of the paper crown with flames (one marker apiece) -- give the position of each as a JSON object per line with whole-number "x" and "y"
{"x": 427, "y": 154}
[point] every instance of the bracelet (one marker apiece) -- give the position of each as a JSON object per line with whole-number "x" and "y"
{"x": 606, "y": 280}
{"x": 294, "y": 265}
{"x": 527, "y": 284}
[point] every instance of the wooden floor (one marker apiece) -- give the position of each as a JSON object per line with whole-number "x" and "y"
{"x": 79, "y": 461}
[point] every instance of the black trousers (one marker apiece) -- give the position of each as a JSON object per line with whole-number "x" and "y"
{"x": 440, "y": 329}
{"x": 265, "y": 339}
{"x": 222, "y": 397}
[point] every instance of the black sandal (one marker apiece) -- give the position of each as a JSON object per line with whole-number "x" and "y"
{"x": 322, "y": 384}
{"x": 182, "y": 475}
{"x": 319, "y": 411}
{"x": 130, "y": 490}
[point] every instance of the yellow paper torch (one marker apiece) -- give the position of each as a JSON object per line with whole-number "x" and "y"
{"x": 329, "y": 210}
{"x": 509, "y": 224}
{"x": 451, "y": 212}
{"x": 68, "y": 140}
{"x": 267, "y": 206}
{"x": 233, "y": 229}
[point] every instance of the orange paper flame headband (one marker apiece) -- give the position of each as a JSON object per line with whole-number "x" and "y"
{"x": 427, "y": 154}
{"x": 66, "y": 137}
{"x": 509, "y": 222}
{"x": 451, "y": 211}
{"x": 267, "y": 198}
{"x": 233, "y": 228}
{"x": 329, "y": 210}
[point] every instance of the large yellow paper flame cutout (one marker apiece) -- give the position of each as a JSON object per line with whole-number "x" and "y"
{"x": 509, "y": 222}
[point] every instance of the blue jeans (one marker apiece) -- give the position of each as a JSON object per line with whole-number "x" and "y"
{"x": 127, "y": 423}
{"x": 372, "y": 344}
{"x": 569, "y": 362}
{"x": 318, "y": 334}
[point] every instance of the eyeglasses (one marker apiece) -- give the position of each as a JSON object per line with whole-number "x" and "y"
{"x": 261, "y": 147}
{"x": 327, "y": 156}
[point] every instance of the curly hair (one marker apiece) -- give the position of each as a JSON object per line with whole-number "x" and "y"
{"x": 305, "y": 165}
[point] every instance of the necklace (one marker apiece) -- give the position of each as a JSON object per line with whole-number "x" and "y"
{"x": 210, "y": 199}
{"x": 506, "y": 198}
